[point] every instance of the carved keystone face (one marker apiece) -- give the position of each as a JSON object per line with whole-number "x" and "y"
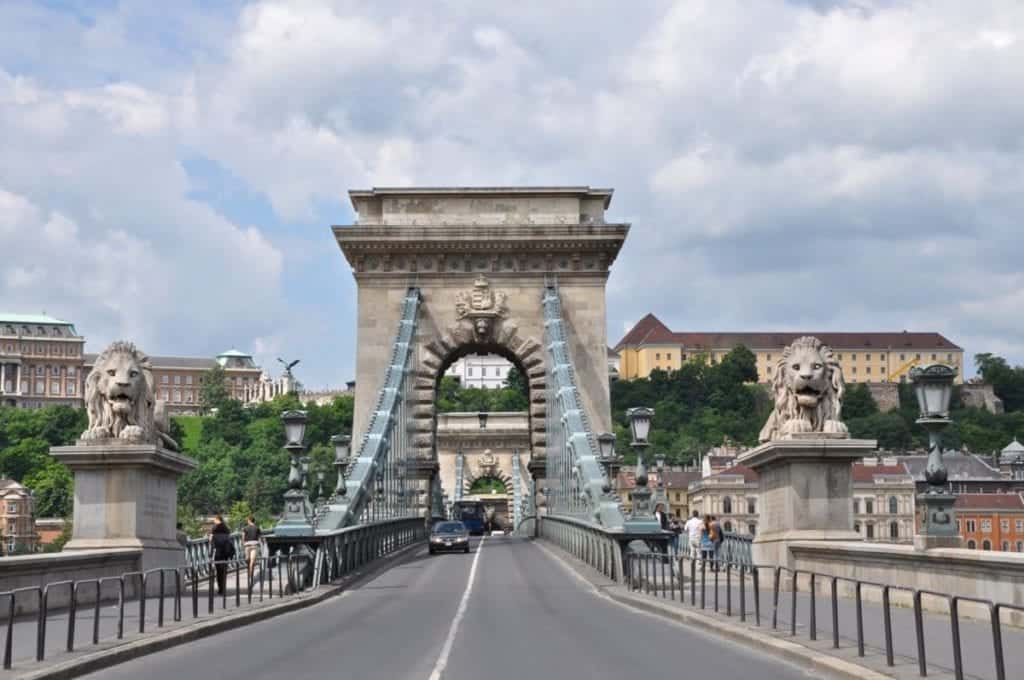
{"x": 808, "y": 376}
{"x": 120, "y": 382}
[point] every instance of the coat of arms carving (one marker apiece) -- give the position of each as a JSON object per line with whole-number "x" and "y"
{"x": 483, "y": 307}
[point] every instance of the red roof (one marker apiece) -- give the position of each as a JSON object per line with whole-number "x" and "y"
{"x": 989, "y": 501}
{"x": 866, "y": 473}
{"x": 680, "y": 479}
{"x": 748, "y": 474}
{"x": 651, "y": 331}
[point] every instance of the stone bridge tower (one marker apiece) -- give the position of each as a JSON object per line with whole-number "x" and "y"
{"x": 481, "y": 258}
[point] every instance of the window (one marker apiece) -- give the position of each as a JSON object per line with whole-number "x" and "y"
{"x": 728, "y": 526}
{"x": 986, "y": 526}
{"x": 769, "y": 370}
{"x": 469, "y": 371}
{"x": 917, "y": 356}
{"x": 1020, "y": 546}
{"x": 870, "y": 530}
{"x": 1004, "y": 525}
{"x": 867, "y": 357}
{"x": 856, "y": 506}
{"x": 189, "y": 396}
{"x": 164, "y": 380}
{"x": 657, "y": 356}
{"x": 1020, "y": 525}
{"x": 903, "y": 357}
{"x": 768, "y": 357}
{"x": 958, "y": 527}
{"x": 853, "y": 370}
{"x": 869, "y": 506}
{"x": 751, "y": 506}
{"x": 71, "y": 371}
{"x": 853, "y": 357}
{"x": 894, "y": 530}
{"x": 971, "y": 545}
{"x": 177, "y": 380}
{"x": 188, "y": 380}
{"x": 867, "y": 370}
{"x": 752, "y": 529}
{"x": 40, "y": 370}
{"x": 856, "y": 527}
{"x": 55, "y": 387}
{"x": 12, "y": 507}
{"x": 933, "y": 356}
{"x": 971, "y": 526}
{"x": 669, "y": 356}
{"x": 727, "y": 505}
{"x": 894, "y": 505}
{"x": 71, "y": 389}
{"x": 1006, "y": 546}
{"x": 165, "y": 394}
{"x": 986, "y": 544}
{"x": 40, "y": 386}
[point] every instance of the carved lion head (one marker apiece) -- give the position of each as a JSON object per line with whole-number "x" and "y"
{"x": 119, "y": 395}
{"x": 808, "y": 390}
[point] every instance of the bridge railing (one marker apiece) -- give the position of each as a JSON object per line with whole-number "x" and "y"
{"x": 787, "y": 600}
{"x": 343, "y": 551}
{"x": 155, "y": 597}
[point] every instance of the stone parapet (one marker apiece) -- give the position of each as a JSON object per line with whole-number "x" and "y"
{"x": 30, "y": 571}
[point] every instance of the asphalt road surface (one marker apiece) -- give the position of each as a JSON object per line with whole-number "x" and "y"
{"x": 518, "y": 613}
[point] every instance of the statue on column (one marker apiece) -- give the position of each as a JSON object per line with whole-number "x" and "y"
{"x": 808, "y": 390}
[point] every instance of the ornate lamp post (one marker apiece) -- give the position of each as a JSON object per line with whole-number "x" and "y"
{"x": 642, "y": 518}
{"x": 934, "y": 387}
{"x": 610, "y": 461}
{"x": 341, "y": 443}
{"x": 659, "y": 495}
{"x": 297, "y": 519}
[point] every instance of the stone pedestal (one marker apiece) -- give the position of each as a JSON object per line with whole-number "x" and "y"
{"x": 805, "y": 490}
{"x": 939, "y": 529}
{"x": 126, "y": 496}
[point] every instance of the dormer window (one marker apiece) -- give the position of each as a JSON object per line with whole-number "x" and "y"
{"x": 56, "y": 331}
{"x": 42, "y": 331}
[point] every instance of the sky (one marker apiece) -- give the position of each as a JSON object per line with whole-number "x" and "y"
{"x": 170, "y": 177}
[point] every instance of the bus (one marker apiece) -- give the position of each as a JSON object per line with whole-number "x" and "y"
{"x": 470, "y": 513}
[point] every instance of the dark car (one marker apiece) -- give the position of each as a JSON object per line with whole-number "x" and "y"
{"x": 449, "y": 536}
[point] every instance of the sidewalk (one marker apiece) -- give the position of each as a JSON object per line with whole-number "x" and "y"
{"x": 976, "y": 638}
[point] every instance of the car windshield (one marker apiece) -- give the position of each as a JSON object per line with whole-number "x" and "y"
{"x": 449, "y": 527}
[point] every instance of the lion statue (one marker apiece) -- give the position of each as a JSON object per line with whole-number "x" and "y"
{"x": 808, "y": 389}
{"x": 119, "y": 399}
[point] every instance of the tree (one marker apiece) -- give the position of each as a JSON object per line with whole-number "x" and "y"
{"x": 1007, "y": 382}
{"x": 213, "y": 389}
{"x": 53, "y": 486}
{"x": 858, "y": 402}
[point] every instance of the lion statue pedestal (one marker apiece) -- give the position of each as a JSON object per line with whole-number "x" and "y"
{"x": 126, "y": 467}
{"x": 804, "y": 460}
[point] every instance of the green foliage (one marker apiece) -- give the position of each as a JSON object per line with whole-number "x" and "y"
{"x": 187, "y": 431}
{"x": 858, "y": 402}
{"x": 242, "y": 466}
{"x": 53, "y": 487}
{"x": 890, "y": 429}
{"x": 26, "y": 436}
{"x": 487, "y": 485}
{"x": 213, "y": 389}
{"x": 1007, "y": 382}
{"x": 695, "y": 407}
{"x": 452, "y": 397}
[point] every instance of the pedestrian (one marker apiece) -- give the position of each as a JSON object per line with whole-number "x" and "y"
{"x": 707, "y": 544}
{"x": 223, "y": 550}
{"x": 693, "y": 528}
{"x": 676, "y": 529}
{"x": 251, "y": 541}
{"x": 716, "y": 539}
{"x": 180, "y": 535}
{"x": 659, "y": 514}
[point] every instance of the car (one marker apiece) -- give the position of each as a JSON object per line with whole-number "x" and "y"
{"x": 449, "y": 536}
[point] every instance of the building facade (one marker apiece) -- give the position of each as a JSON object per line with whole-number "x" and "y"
{"x": 730, "y": 496}
{"x": 864, "y": 357}
{"x": 883, "y": 501}
{"x": 486, "y": 371}
{"x": 991, "y": 521}
{"x": 40, "y": 361}
{"x": 19, "y": 528}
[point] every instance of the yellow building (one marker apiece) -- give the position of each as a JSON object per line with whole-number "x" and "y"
{"x": 864, "y": 357}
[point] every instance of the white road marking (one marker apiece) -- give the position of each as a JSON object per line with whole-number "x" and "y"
{"x": 446, "y": 649}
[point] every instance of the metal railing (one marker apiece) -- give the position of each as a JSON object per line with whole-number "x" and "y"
{"x": 150, "y": 593}
{"x": 689, "y": 577}
{"x": 340, "y": 552}
{"x": 589, "y": 543}
{"x": 199, "y": 551}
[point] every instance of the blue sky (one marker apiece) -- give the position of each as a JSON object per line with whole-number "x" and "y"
{"x": 170, "y": 177}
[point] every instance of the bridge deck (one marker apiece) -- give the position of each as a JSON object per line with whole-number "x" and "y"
{"x": 525, "y": 616}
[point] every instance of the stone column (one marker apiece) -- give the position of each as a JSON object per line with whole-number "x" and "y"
{"x": 126, "y": 496}
{"x": 805, "y": 491}
{"x": 3, "y": 378}
{"x": 17, "y": 385}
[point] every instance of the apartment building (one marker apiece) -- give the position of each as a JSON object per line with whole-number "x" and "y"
{"x": 19, "y": 527}
{"x": 40, "y": 361}
{"x": 883, "y": 500}
{"x": 991, "y": 521}
{"x": 864, "y": 357}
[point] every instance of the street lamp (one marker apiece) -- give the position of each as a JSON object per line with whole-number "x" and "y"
{"x": 341, "y": 443}
{"x": 609, "y": 460}
{"x": 483, "y": 419}
{"x": 659, "y": 462}
{"x": 933, "y": 385}
{"x": 296, "y": 520}
{"x": 642, "y": 518}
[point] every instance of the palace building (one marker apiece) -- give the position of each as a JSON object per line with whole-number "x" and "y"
{"x": 864, "y": 357}
{"x": 40, "y": 361}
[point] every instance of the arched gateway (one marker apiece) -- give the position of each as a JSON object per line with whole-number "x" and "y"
{"x": 481, "y": 260}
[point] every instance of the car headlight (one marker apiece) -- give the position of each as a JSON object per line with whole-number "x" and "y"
{"x": 461, "y": 539}
{"x": 436, "y": 540}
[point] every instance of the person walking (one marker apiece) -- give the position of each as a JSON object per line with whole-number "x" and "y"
{"x": 693, "y": 528}
{"x": 676, "y": 529}
{"x": 223, "y": 550}
{"x": 251, "y": 541}
{"x": 716, "y": 539}
{"x": 659, "y": 514}
{"x": 707, "y": 544}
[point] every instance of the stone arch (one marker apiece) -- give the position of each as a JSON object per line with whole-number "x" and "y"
{"x": 472, "y": 478}
{"x": 438, "y": 353}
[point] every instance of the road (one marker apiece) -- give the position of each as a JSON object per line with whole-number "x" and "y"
{"x": 518, "y": 614}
